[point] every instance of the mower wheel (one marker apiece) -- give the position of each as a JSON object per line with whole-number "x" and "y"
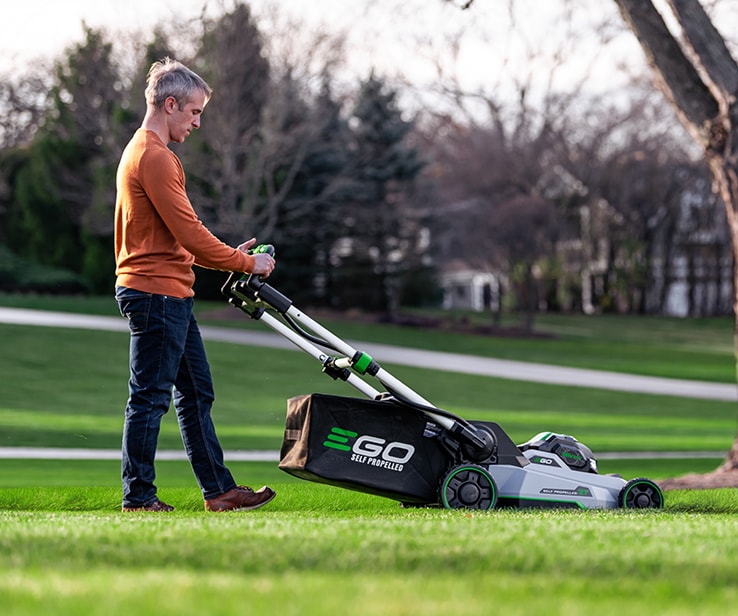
{"x": 468, "y": 487}
{"x": 641, "y": 494}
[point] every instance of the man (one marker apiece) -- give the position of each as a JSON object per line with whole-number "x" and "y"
{"x": 158, "y": 238}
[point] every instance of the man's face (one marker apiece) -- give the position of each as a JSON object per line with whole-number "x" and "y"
{"x": 185, "y": 118}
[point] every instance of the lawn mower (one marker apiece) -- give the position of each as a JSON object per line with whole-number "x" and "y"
{"x": 395, "y": 444}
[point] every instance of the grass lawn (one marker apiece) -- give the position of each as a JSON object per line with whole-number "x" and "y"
{"x": 65, "y": 548}
{"x": 319, "y": 550}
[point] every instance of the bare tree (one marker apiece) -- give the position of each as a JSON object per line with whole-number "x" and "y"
{"x": 23, "y": 102}
{"x": 526, "y": 131}
{"x": 695, "y": 70}
{"x": 492, "y": 214}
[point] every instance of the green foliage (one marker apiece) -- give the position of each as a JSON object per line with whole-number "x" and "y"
{"x": 47, "y": 233}
{"x": 62, "y": 188}
{"x": 98, "y": 265}
{"x": 18, "y": 274}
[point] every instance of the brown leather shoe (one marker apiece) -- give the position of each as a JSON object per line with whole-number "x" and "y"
{"x": 157, "y": 505}
{"x": 240, "y": 498}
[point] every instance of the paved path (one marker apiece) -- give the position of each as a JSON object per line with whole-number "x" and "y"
{"x": 435, "y": 360}
{"x": 65, "y": 453}
{"x": 70, "y": 453}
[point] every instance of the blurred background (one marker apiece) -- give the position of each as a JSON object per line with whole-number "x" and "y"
{"x": 508, "y": 156}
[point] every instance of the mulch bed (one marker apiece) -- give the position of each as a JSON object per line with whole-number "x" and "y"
{"x": 702, "y": 481}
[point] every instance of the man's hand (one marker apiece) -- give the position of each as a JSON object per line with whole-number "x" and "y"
{"x": 247, "y": 245}
{"x": 263, "y": 262}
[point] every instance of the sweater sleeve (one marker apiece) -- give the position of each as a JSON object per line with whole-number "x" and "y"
{"x": 163, "y": 179}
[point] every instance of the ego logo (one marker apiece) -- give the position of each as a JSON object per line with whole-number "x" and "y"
{"x": 543, "y": 460}
{"x": 338, "y": 439}
{"x": 370, "y": 450}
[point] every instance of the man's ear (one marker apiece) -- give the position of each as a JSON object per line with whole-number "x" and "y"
{"x": 170, "y": 104}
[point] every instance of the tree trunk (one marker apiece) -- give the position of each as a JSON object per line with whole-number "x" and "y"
{"x": 724, "y": 171}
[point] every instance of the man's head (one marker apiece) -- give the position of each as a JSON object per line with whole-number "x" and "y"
{"x": 167, "y": 78}
{"x": 180, "y": 94}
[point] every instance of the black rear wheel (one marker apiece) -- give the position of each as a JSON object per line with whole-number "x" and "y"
{"x": 468, "y": 487}
{"x": 641, "y": 494}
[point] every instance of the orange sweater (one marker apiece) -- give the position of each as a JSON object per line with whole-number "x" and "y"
{"x": 158, "y": 236}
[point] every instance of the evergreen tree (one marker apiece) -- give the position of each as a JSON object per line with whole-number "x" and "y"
{"x": 65, "y": 188}
{"x": 310, "y": 212}
{"x": 383, "y": 232}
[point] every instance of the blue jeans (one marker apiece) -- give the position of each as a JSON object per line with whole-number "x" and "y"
{"x": 167, "y": 361}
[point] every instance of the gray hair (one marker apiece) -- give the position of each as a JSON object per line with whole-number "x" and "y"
{"x": 167, "y": 78}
